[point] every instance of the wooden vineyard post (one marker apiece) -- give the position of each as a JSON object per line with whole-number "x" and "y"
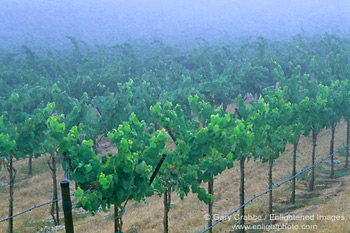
{"x": 210, "y": 209}
{"x": 347, "y": 143}
{"x": 242, "y": 193}
{"x": 118, "y": 223}
{"x": 67, "y": 207}
{"x": 12, "y": 172}
{"x": 312, "y": 180}
{"x": 270, "y": 184}
{"x": 332, "y": 149}
{"x": 167, "y": 202}
{"x": 54, "y": 207}
{"x": 242, "y": 161}
{"x": 294, "y": 172}
{"x": 30, "y": 165}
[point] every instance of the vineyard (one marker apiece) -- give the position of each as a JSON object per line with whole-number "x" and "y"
{"x": 205, "y": 128}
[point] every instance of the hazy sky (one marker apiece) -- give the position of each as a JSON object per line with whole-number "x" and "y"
{"x": 47, "y": 22}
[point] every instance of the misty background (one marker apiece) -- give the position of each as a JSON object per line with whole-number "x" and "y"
{"x": 46, "y": 23}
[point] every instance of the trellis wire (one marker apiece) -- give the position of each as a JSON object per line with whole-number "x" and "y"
{"x": 37, "y": 206}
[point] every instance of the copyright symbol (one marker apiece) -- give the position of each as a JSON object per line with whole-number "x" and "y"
{"x": 206, "y": 217}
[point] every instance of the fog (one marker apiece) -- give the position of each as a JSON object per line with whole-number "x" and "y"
{"x": 46, "y": 23}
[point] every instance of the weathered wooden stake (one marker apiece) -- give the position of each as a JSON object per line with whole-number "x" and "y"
{"x": 242, "y": 161}
{"x": 210, "y": 210}
{"x": 294, "y": 171}
{"x": 347, "y": 143}
{"x": 12, "y": 172}
{"x": 30, "y": 165}
{"x": 332, "y": 149}
{"x": 67, "y": 207}
{"x": 313, "y": 157}
{"x": 118, "y": 223}
{"x": 270, "y": 185}
{"x": 167, "y": 203}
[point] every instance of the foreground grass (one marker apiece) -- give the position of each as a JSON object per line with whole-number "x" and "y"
{"x": 330, "y": 217}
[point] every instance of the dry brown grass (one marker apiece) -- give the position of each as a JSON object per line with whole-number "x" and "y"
{"x": 188, "y": 215}
{"x": 331, "y": 217}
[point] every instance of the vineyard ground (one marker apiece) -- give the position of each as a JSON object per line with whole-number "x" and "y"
{"x": 331, "y": 197}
